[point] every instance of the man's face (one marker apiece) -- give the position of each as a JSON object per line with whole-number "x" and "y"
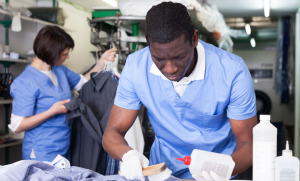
{"x": 173, "y": 59}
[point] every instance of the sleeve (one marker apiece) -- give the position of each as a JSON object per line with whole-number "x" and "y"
{"x": 24, "y": 98}
{"x": 15, "y": 122}
{"x": 242, "y": 104}
{"x": 81, "y": 82}
{"x": 73, "y": 78}
{"x": 126, "y": 95}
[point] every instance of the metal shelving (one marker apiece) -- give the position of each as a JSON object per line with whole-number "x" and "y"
{"x": 5, "y": 145}
{"x": 15, "y": 60}
{"x": 34, "y": 20}
{"x": 5, "y": 101}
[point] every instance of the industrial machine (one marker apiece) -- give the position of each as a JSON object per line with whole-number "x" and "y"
{"x": 110, "y": 29}
{"x": 262, "y": 68}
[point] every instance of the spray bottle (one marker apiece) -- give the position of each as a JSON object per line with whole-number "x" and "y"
{"x": 287, "y": 166}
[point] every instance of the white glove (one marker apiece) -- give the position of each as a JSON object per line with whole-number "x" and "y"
{"x": 208, "y": 177}
{"x": 133, "y": 162}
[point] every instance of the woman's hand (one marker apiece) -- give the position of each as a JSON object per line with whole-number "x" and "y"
{"x": 59, "y": 108}
{"x": 33, "y": 121}
{"x": 108, "y": 55}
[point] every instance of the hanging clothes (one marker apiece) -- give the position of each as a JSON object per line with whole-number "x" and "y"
{"x": 90, "y": 113}
{"x": 285, "y": 97}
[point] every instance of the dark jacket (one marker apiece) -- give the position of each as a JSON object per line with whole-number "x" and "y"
{"x": 90, "y": 113}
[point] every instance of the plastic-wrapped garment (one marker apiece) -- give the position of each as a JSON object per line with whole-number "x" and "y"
{"x": 278, "y": 77}
{"x": 285, "y": 97}
{"x": 140, "y": 8}
{"x": 209, "y": 15}
{"x": 34, "y": 170}
{"x": 52, "y": 15}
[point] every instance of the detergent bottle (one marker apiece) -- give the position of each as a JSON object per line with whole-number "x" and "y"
{"x": 264, "y": 150}
{"x": 287, "y": 166}
{"x": 200, "y": 161}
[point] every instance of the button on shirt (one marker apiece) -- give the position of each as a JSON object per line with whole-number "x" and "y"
{"x": 197, "y": 73}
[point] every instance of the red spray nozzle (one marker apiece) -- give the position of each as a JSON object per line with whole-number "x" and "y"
{"x": 186, "y": 160}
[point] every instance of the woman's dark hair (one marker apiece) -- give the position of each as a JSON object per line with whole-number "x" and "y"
{"x": 50, "y": 42}
{"x": 167, "y": 21}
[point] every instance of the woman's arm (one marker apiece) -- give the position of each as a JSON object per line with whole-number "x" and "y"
{"x": 33, "y": 121}
{"x": 108, "y": 55}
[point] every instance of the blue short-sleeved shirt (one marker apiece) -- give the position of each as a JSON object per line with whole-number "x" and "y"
{"x": 197, "y": 120}
{"x": 33, "y": 93}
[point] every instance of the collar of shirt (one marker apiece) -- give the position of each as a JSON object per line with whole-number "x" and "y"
{"x": 197, "y": 73}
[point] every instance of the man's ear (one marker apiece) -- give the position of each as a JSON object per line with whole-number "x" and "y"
{"x": 195, "y": 38}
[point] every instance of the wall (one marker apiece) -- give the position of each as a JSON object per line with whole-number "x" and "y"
{"x": 22, "y": 41}
{"x": 80, "y": 31}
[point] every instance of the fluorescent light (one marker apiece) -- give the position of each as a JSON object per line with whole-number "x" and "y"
{"x": 267, "y": 8}
{"x": 253, "y": 43}
{"x": 248, "y": 29}
{"x": 111, "y": 2}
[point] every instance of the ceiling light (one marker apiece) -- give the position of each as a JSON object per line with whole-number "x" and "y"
{"x": 253, "y": 43}
{"x": 267, "y": 8}
{"x": 248, "y": 29}
{"x": 111, "y": 2}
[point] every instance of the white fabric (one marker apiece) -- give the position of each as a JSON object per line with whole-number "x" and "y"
{"x": 51, "y": 76}
{"x": 134, "y": 136}
{"x": 133, "y": 163}
{"x": 61, "y": 162}
{"x": 15, "y": 120}
{"x": 32, "y": 155}
{"x": 197, "y": 73}
{"x": 5, "y": 168}
{"x": 82, "y": 81}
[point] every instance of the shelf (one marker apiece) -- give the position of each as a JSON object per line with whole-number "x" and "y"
{"x": 6, "y": 101}
{"x": 18, "y": 142}
{"x": 15, "y": 60}
{"x": 35, "y": 20}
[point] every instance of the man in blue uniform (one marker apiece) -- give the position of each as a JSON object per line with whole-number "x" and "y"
{"x": 198, "y": 97}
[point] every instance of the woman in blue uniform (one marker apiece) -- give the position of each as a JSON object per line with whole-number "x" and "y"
{"x": 40, "y": 92}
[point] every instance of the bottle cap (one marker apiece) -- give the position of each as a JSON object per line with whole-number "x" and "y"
{"x": 264, "y": 117}
{"x": 186, "y": 160}
{"x": 287, "y": 151}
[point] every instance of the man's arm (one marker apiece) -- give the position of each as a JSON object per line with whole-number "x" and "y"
{"x": 120, "y": 120}
{"x": 242, "y": 156}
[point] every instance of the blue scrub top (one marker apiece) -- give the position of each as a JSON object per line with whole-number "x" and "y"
{"x": 197, "y": 120}
{"x": 33, "y": 93}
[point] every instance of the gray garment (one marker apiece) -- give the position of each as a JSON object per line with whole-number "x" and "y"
{"x": 90, "y": 113}
{"x": 35, "y": 170}
{"x": 31, "y": 170}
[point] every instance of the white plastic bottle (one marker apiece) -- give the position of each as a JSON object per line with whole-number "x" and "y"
{"x": 264, "y": 150}
{"x": 201, "y": 160}
{"x": 287, "y": 166}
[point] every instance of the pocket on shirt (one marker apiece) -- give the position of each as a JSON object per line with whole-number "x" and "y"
{"x": 213, "y": 122}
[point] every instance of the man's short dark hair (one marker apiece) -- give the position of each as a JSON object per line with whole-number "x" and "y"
{"x": 50, "y": 42}
{"x": 167, "y": 21}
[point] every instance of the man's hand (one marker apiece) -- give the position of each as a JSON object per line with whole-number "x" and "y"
{"x": 208, "y": 177}
{"x": 133, "y": 163}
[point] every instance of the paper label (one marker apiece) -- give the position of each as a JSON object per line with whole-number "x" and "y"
{"x": 287, "y": 175}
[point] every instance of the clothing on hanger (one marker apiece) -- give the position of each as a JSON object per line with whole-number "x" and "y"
{"x": 90, "y": 113}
